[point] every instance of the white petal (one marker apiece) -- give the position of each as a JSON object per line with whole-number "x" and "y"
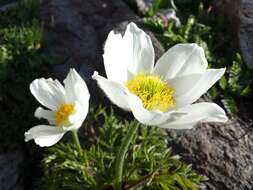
{"x": 116, "y": 58}
{"x": 57, "y": 87}
{"x": 116, "y": 92}
{"x": 183, "y": 84}
{"x": 44, "y": 135}
{"x": 207, "y": 80}
{"x": 76, "y": 90}
{"x": 197, "y": 113}
{"x": 48, "y": 92}
{"x": 74, "y": 127}
{"x": 139, "y": 47}
{"x": 181, "y": 59}
{"x": 150, "y": 117}
{"x": 45, "y": 114}
{"x": 78, "y": 115}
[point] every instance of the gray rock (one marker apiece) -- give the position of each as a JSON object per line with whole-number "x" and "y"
{"x": 11, "y": 170}
{"x": 69, "y": 37}
{"x": 222, "y": 153}
{"x": 246, "y": 31}
{"x": 240, "y": 15}
{"x": 77, "y": 31}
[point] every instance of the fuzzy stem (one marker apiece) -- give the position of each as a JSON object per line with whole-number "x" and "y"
{"x": 80, "y": 150}
{"x": 76, "y": 141}
{"x": 121, "y": 156}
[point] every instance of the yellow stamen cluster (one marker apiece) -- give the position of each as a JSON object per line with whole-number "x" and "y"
{"x": 63, "y": 113}
{"x": 155, "y": 93}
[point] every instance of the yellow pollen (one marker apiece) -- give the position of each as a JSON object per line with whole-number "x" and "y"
{"x": 155, "y": 93}
{"x": 62, "y": 114}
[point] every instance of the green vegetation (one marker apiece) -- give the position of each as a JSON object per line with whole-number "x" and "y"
{"x": 203, "y": 26}
{"x": 22, "y": 59}
{"x": 24, "y": 11}
{"x": 149, "y": 163}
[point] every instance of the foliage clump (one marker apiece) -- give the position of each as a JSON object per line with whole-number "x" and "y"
{"x": 149, "y": 163}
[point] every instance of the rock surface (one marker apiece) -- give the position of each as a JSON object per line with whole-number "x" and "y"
{"x": 11, "y": 170}
{"x": 246, "y": 31}
{"x": 77, "y": 31}
{"x": 240, "y": 15}
{"x": 222, "y": 153}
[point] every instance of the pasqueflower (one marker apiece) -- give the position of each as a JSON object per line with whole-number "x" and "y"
{"x": 67, "y": 107}
{"x": 161, "y": 94}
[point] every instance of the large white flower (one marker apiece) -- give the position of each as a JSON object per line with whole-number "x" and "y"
{"x": 161, "y": 94}
{"x": 68, "y": 107}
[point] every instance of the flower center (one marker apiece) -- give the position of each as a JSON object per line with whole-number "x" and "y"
{"x": 63, "y": 113}
{"x": 154, "y": 92}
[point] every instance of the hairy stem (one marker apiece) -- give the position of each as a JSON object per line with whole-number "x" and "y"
{"x": 76, "y": 141}
{"x": 121, "y": 156}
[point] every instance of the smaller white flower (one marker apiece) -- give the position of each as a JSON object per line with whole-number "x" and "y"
{"x": 67, "y": 107}
{"x": 161, "y": 94}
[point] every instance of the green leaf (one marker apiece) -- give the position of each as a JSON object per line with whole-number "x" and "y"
{"x": 230, "y": 106}
{"x": 213, "y": 92}
{"x": 246, "y": 91}
{"x": 223, "y": 83}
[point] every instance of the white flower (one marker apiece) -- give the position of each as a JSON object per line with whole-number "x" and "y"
{"x": 161, "y": 94}
{"x": 68, "y": 107}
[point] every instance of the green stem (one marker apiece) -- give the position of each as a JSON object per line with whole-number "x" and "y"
{"x": 121, "y": 156}
{"x": 76, "y": 141}
{"x": 172, "y": 3}
{"x": 80, "y": 150}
